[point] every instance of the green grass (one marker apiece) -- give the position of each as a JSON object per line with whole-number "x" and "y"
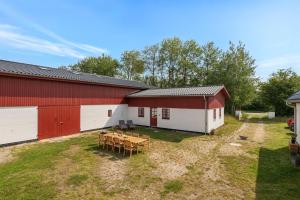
{"x": 166, "y": 135}
{"x": 276, "y": 176}
{"x": 24, "y": 178}
{"x": 230, "y": 125}
{"x": 172, "y": 186}
{"x": 77, "y": 179}
{"x": 272, "y": 173}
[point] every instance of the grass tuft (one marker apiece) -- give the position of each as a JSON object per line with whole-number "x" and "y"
{"x": 77, "y": 179}
{"x": 173, "y": 186}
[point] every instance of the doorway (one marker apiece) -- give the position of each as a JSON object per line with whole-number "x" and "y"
{"x": 153, "y": 117}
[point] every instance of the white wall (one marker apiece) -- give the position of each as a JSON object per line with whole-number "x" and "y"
{"x": 183, "y": 119}
{"x": 297, "y": 122}
{"x": 215, "y": 123}
{"x": 18, "y": 124}
{"x": 133, "y": 115}
{"x": 96, "y": 116}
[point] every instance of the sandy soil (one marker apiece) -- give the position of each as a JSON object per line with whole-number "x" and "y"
{"x": 5, "y": 155}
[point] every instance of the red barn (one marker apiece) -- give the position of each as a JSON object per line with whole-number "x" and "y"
{"x": 39, "y": 102}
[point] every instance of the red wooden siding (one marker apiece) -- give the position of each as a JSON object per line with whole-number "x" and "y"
{"x": 168, "y": 102}
{"x": 33, "y": 92}
{"x": 217, "y": 101}
{"x": 54, "y": 121}
{"x": 194, "y": 102}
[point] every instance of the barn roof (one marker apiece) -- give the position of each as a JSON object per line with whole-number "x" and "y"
{"x": 22, "y": 69}
{"x": 187, "y": 91}
{"x": 295, "y": 97}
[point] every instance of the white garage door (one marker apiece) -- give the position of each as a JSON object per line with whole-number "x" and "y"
{"x": 18, "y": 124}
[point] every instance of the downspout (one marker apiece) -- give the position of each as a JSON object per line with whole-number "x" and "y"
{"x": 205, "y": 120}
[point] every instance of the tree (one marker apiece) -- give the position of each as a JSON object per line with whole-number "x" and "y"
{"x": 151, "y": 61}
{"x": 236, "y": 70}
{"x": 132, "y": 65}
{"x": 210, "y": 58}
{"x": 102, "y": 65}
{"x": 278, "y": 88}
{"x": 189, "y": 61}
{"x": 170, "y": 53}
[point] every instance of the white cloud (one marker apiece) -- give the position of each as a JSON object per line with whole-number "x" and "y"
{"x": 281, "y": 61}
{"x": 13, "y": 36}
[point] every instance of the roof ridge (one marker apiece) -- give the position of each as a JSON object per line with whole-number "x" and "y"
{"x": 187, "y": 87}
{"x": 22, "y": 64}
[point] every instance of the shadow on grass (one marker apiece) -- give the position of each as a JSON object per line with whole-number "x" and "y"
{"x": 108, "y": 153}
{"x": 166, "y": 134}
{"x": 276, "y": 176}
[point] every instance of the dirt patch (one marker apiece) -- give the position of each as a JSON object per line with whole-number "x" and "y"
{"x": 259, "y": 133}
{"x": 111, "y": 169}
{"x": 173, "y": 162}
{"x": 5, "y": 155}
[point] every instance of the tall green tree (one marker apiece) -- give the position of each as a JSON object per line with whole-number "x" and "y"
{"x": 278, "y": 88}
{"x": 102, "y": 65}
{"x": 188, "y": 64}
{"x": 210, "y": 58}
{"x": 236, "y": 70}
{"x": 170, "y": 54}
{"x": 151, "y": 62}
{"x": 132, "y": 65}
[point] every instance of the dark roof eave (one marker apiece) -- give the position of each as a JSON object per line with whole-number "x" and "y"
{"x": 68, "y": 80}
{"x": 208, "y": 95}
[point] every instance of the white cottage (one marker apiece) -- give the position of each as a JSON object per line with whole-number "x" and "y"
{"x": 294, "y": 101}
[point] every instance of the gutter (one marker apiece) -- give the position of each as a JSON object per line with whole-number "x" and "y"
{"x": 206, "y": 114}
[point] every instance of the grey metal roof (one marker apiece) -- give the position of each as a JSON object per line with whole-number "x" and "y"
{"x": 188, "y": 91}
{"x": 295, "y": 97}
{"x": 17, "y": 68}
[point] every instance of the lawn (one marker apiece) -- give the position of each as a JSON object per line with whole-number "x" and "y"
{"x": 179, "y": 165}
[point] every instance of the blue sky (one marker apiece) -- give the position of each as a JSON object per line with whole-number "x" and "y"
{"x": 60, "y": 32}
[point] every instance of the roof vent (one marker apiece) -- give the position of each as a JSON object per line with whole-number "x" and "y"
{"x": 75, "y": 72}
{"x": 45, "y": 68}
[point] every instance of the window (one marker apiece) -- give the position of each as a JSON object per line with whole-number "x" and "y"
{"x": 220, "y": 113}
{"x": 165, "y": 113}
{"x": 215, "y": 114}
{"x": 109, "y": 113}
{"x": 141, "y": 112}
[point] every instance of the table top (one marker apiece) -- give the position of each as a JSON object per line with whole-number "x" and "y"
{"x": 132, "y": 139}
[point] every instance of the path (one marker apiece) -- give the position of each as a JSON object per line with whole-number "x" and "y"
{"x": 214, "y": 179}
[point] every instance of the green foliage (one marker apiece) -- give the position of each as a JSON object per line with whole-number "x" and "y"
{"x": 278, "y": 88}
{"x": 173, "y": 186}
{"x": 102, "y": 65}
{"x": 151, "y": 62}
{"x": 132, "y": 65}
{"x": 236, "y": 70}
{"x": 177, "y": 63}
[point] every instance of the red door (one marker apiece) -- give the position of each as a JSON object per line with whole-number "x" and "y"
{"x": 153, "y": 117}
{"x": 57, "y": 121}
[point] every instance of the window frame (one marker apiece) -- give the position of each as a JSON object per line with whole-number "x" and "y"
{"x": 109, "y": 113}
{"x": 141, "y": 112}
{"x": 215, "y": 114}
{"x": 220, "y": 113}
{"x": 165, "y": 113}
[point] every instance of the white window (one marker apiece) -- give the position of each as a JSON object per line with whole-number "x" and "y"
{"x": 215, "y": 114}
{"x": 165, "y": 113}
{"x": 141, "y": 112}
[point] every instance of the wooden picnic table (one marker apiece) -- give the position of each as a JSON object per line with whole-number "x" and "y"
{"x": 135, "y": 140}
